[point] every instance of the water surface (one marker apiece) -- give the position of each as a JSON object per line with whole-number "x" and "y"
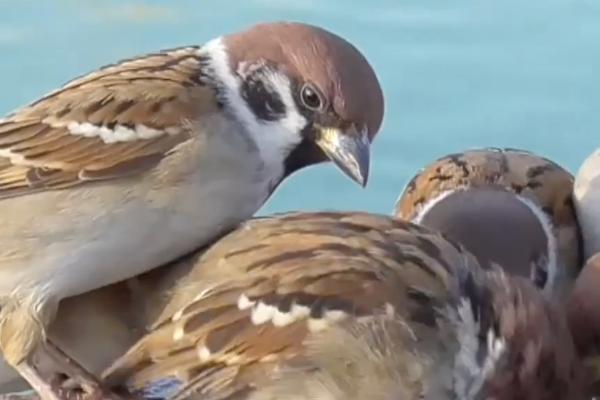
{"x": 456, "y": 74}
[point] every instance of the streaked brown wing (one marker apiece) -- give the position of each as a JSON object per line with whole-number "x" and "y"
{"x": 120, "y": 120}
{"x": 250, "y": 302}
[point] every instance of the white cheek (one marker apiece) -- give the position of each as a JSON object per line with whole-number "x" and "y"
{"x": 293, "y": 121}
{"x": 273, "y": 139}
{"x": 276, "y": 139}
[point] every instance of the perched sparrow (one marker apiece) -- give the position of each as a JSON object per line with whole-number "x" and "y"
{"x": 506, "y": 206}
{"x": 140, "y": 162}
{"x": 246, "y": 321}
{"x": 586, "y": 196}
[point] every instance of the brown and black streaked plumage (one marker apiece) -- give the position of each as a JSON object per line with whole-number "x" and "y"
{"x": 252, "y": 318}
{"x": 508, "y": 207}
{"x": 143, "y": 161}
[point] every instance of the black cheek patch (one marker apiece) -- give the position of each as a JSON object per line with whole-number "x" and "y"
{"x": 264, "y": 101}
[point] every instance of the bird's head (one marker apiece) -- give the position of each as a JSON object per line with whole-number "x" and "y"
{"x": 304, "y": 95}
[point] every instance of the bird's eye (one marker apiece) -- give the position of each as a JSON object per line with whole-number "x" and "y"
{"x": 310, "y": 97}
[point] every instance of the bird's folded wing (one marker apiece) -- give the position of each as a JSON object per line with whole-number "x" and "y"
{"x": 285, "y": 278}
{"x": 117, "y": 121}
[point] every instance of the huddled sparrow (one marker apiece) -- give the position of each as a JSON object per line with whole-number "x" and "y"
{"x": 508, "y": 207}
{"x": 348, "y": 306}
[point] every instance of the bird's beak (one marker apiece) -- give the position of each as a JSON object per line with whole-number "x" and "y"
{"x": 349, "y": 150}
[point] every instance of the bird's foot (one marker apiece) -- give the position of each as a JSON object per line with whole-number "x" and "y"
{"x": 61, "y": 387}
{"x": 76, "y": 383}
{"x": 45, "y": 389}
{"x": 81, "y": 389}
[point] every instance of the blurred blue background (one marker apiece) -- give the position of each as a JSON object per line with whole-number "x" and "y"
{"x": 456, "y": 74}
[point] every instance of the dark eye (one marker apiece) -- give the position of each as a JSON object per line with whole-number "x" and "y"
{"x": 310, "y": 97}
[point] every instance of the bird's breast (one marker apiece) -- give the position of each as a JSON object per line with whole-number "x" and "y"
{"x": 72, "y": 241}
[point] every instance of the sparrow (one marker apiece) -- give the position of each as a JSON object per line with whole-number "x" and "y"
{"x": 348, "y": 306}
{"x": 509, "y": 207}
{"x": 585, "y": 197}
{"x": 145, "y": 160}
